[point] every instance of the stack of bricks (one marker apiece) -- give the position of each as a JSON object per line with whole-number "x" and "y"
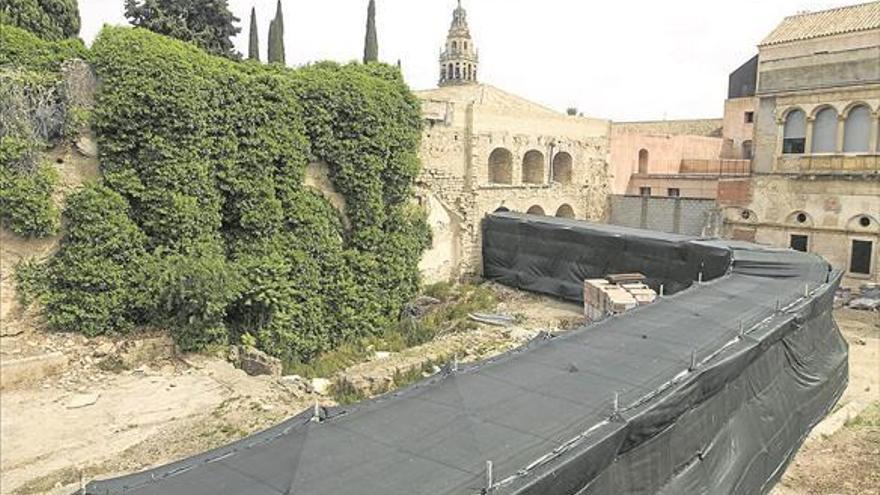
{"x": 603, "y": 298}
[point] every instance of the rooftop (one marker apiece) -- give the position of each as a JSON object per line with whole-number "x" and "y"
{"x": 849, "y": 19}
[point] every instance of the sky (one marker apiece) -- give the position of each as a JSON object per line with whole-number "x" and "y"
{"x": 620, "y": 59}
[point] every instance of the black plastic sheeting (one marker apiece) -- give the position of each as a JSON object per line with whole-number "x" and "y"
{"x": 707, "y": 391}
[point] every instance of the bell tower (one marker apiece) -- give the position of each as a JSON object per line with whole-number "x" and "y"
{"x": 459, "y": 58}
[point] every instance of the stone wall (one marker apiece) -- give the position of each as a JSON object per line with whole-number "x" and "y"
{"x": 693, "y": 127}
{"x": 464, "y": 126}
{"x": 673, "y": 215}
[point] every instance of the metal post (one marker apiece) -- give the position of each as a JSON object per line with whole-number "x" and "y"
{"x": 807, "y": 289}
{"x": 693, "y": 361}
{"x": 489, "y": 481}
{"x": 616, "y": 403}
{"x": 742, "y": 329}
{"x": 700, "y": 277}
{"x": 662, "y": 290}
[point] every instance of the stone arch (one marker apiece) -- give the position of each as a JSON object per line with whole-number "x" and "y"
{"x": 799, "y": 219}
{"x": 535, "y": 210}
{"x": 643, "y": 161}
{"x": 502, "y": 209}
{"x": 501, "y": 166}
{"x": 565, "y": 211}
{"x": 863, "y": 223}
{"x": 824, "y": 130}
{"x": 533, "y": 167}
{"x": 740, "y": 215}
{"x": 857, "y": 128}
{"x": 562, "y": 168}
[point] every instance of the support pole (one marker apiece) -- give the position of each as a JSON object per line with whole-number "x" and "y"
{"x": 489, "y": 481}
{"x": 693, "y": 361}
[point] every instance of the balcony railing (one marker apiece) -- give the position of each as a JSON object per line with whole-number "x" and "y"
{"x": 828, "y": 163}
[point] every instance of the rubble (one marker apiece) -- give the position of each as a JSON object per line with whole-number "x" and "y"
{"x": 82, "y": 400}
{"x": 255, "y": 362}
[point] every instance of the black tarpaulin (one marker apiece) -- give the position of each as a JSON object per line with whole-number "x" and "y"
{"x": 709, "y": 391}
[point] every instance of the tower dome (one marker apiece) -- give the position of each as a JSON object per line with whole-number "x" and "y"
{"x": 459, "y": 58}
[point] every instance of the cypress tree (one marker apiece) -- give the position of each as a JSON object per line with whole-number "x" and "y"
{"x": 254, "y": 40}
{"x": 371, "y": 42}
{"x": 276, "y": 37}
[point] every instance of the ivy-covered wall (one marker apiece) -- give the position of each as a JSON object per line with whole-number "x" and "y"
{"x": 34, "y": 113}
{"x": 205, "y": 157}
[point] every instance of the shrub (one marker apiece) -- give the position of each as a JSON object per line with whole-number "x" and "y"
{"x": 48, "y": 19}
{"x": 211, "y": 156}
{"x": 95, "y": 280}
{"x": 22, "y": 49}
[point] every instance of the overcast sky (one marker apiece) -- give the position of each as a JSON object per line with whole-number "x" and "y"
{"x": 617, "y": 59}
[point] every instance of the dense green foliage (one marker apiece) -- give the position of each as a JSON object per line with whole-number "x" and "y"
{"x": 22, "y": 49}
{"x": 371, "y": 41}
{"x": 33, "y": 113}
{"x": 276, "y": 37}
{"x": 253, "y": 38}
{"x": 49, "y": 19}
{"x": 207, "y": 23}
{"x": 204, "y": 160}
{"x": 96, "y": 281}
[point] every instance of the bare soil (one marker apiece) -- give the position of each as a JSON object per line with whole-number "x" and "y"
{"x": 152, "y": 406}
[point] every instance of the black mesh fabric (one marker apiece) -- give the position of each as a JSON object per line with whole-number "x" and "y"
{"x": 715, "y": 387}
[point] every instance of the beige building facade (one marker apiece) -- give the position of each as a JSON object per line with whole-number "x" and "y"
{"x": 816, "y": 184}
{"x": 485, "y": 150}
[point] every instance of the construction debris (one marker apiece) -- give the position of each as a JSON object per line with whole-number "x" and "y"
{"x": 494, "y": 320}
{"x": 603, "y": 297}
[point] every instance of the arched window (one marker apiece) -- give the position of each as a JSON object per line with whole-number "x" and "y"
{"x": 565, "y": 211}
{"x": 501, "y": 166}
{"x": 857, "y": 130}
{"x": 643, "y": 161}
{"x": 465, "y": 45}
{"x": 794, "y": 134}
{"x": 457, "y": 71}
{"x": 747, "y": 150}
{"x": 825, "y": 131}
{"x": 533, "y": 168}
{"x": 536, "y": 210}
{"x": 562, "y": 168}
{"x": 454, "y": 46}
{"x": 451, "y": 72}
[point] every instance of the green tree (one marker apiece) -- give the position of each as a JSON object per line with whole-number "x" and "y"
{"x": 371, "y": 42}
{"x": 207, "y": 23}
{"x": 254, "y": 40}
{"x": 276, "y": 37}
{"x": 49, "y": 19}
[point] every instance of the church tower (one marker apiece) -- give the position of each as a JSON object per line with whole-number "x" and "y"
{"x": 459, "y": 59}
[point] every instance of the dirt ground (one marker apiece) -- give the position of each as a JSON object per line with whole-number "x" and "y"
{"x": 124, "y": 406}
{"x": 149, "y": 406}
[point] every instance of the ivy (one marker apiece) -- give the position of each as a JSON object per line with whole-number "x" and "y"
{"x": 206, "y": 158}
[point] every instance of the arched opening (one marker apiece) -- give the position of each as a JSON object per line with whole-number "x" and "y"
{"x": 825, "y": 131}
{"x": 501, "y": 166}
{"x": 800, "y": 219}
{"x": 565, "y": 211}
{"x": 794, "y": 133}
{"x": 562, "y": 168}
{"x": 643, "y": 161}
{"x": 747, "y": 150}
{"x": 451, "y": 72}
{"x": 454, "y": 45}
{"x": 857, "y": 130}
{"x": 536, "y": 210}
{"x": 533, "y": 167}
{"x": 457, "y": 71}
{"x": 501, "y": 209}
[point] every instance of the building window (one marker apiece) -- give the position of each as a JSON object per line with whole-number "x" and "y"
{"x": 794, "y": 135}
{"x": 565, "y": 211}
{"x": 825, "y": 131}
{"x": 860, "y": 257}
{"x": 644, "y": 191}
{"x": 673, "y": 192}
{"x": 749, "y": 117}
{"x": 643, "y": 161}
{"x": 799, "y": 243}
{"x": 747, "y": 150}
{"x": 536, "y": 210}
{"x": 857, "y": 130}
